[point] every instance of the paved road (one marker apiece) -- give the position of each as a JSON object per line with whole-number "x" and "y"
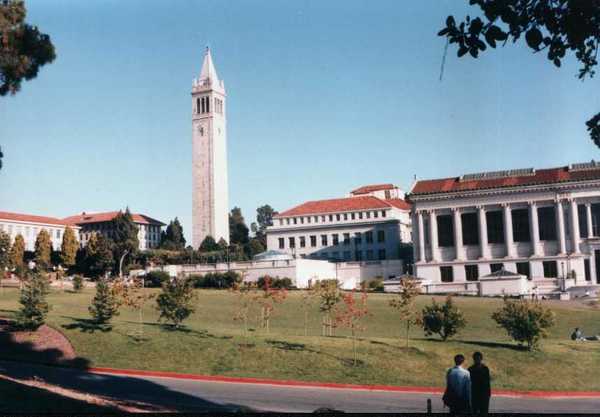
{"x": 188, "y": 395}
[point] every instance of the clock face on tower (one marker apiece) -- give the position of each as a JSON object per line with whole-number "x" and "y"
{"x": 200, "y": 129}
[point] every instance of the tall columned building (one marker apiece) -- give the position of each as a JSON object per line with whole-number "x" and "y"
{"x": 210, "y": 197}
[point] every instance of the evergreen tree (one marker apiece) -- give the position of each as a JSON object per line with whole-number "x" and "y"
{"x": 33, "y": 301}
{"x": 208, "y": 244}
{"x": 172, "y": 238}
{"x": 17, "y": 255}
{"x": 254, "y": 247}
{"x": 264, "y": 218}
{"x": 124, "y": 237}
{"x": 43, "y": 249}
{"x": 104, "y": 304}
{"x": 69, "y": 248}
{"x": 4, "y": 251}
{"x": 238, "y": 231}
{"x": 98, "y": 255}
{"x": 176, "y": 302}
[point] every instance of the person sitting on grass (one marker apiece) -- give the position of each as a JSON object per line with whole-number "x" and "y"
{"x": 577, "y": 335}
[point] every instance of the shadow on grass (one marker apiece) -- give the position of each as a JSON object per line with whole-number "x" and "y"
{"x": 483, "y": 343}
{"x": 86, "y": 325}
{"x": 182, "y": 329}
{"x": 402, "y": 348}
{"x": 300, "y": 347}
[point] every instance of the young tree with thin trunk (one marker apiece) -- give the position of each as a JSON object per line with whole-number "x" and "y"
{"x": 268, "y": 297}
{"x": 104, "y": 304}
{"x": 34, "y": 306}
{"x": 131, "y": 294}
{"x": 351, "y": 314}
{"x": 176, "y": 302}
{"x": 329, "y": 294}
{"x": 404, "y": 302}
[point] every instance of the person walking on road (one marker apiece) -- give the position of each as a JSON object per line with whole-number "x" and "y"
{"x": 480, "y": 385}
{"x": 457, "y": 396}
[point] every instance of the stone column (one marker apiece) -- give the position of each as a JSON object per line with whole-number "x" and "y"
{"x": 433, "y": 238}
{"x": 534, "y": 229}
{"x": 508, "y": 231}
{"x": 575, "y": 226}
{"x": 560, "y": 219}
{"x": 458, "y": 240}
{"x": 588, "y": 217}
{"x": 421, "y": 234}
{"x": 483, "y": 238}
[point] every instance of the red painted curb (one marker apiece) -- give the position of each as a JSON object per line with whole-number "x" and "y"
{"x": 306, "y": 384}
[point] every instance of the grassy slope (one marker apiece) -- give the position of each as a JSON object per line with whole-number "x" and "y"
{"x": 210, "y": 345}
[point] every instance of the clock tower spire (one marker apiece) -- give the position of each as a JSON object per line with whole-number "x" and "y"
{"x": 210, "y": 195}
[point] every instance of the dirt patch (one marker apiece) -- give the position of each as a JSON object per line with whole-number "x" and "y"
{"x": 43, "y": 340}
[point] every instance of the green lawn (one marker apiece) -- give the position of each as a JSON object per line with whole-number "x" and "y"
{"x": 210, "y": 344}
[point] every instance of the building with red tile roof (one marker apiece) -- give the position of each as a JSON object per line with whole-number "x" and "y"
{"x": 29, "y": 226}
{"x": 543, "y": 224}
{"x": 149, "y": 229}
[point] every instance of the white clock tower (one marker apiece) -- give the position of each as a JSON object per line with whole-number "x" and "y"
{"x": 210, "y": 199}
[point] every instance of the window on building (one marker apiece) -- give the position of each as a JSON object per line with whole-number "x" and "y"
{"x": 295, "y": 220}
{"x": 313, "y": 241}
{"x": 586, "y": 267}
{"x": 472, "y": 272}
{"x": 335, "y": 239}
{"x": 302, "y": 242}
{"x": 470, "y": 228}
{"x": 383, "y": 213}
{"x": 323, "y": 240}
{"x": 523, "y": 269}
{"x": 331, "y": 217}
{"x": 337, "y": 217}
{"x": 353, "y": 216}
{"x": 345, "y": 216}
{"x": 323, "y": 219}
{"x": 358, "y": 256}
{"x": 197, "y": 105}
{"x": 346, "y": 238}
{"x": 496, "y": 267}
{"x": 308, "y": 219}
{"x": 360, "y": 215}
{"x": 445, "y": 230}
{"x": 547, "y": 223}
{"x": 347, "y": 255}
{"x": 368, "y": 214}
{"x": 370, "y": 255}
{"x": 369, "y": 237}
{"x": 381, "y": 236}
{"x": 287, "y": 221}
{"x": 357, "y": 238}
{"x": 376, "y": 214}
{"x": 582, "y": 214}
{"x": 292, "y": 242}
{"x": 207, "y": 105}
{"x": 316, "y": 219}
{"x": 446, "y": 273}
{"x": 281, "y": 243}
{"x": 520, "y": 220}
{"x": 381, "y": 254}
{"x": 495, "y": 226}
{"x": 550, "y": 269}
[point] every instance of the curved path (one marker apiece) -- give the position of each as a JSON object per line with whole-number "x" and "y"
{"x": 194, "y": 395}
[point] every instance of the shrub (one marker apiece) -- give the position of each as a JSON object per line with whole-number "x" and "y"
{"x": 155, "y": 279}
{"x": 279, "y": 283}
{"x": 104, "y": 304}
{"x": 443, "y": 319}
{"x": 525, "y": 321}
{"x": 176, "y": 302}
{"x": 376, "y": 285}
{"x": 77, "y": 283}
{"x": 217, "y": 280}
{"x": 33, "y": 300}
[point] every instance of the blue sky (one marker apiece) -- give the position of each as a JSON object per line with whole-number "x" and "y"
{"x": 323, "y": 97}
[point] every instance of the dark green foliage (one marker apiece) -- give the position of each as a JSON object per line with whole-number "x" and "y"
{"x": 254, "y": 247}
{"x": 124, "y": 237}
{"x": 238, "y": 231}
{"x": 176, "y": 302}
{"x": 23, "y": 48}
{"x": 34, "y": 307}
{"x": 216, "y": 279}
{"x": 376, "y": 285}
{"x": 208, "y": 244}
{"x": 104, "y": 304}
{"x": 442, "y": 319}
{"x": 43, "y": 250}
{"x": 97, "y": 257}
{"x": 155, "y": 279}
{"x": 172, "y": 238}
{"x": 264, "y": 218}
{"x": 77, "y": 283}
{"x": 4, "y": 251}
{"x": 525, "y": 321}
{"x": 556, "y": 27}
{"x": 274, "y": 282}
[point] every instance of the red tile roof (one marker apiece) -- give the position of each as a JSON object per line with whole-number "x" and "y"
{"x": 399, "y": 203}
{"x": 342, "y": 205}
{"x": 371, "y": 188}
{"x": 31, "y": 218}
{"x": 538, "y": 177}
{"x": 85, "y": 218}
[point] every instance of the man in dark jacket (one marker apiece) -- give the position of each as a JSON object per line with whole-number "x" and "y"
{"x": 480, "y": 385}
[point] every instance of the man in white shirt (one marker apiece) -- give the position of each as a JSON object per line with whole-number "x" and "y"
{"x": 458, "y": 388}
